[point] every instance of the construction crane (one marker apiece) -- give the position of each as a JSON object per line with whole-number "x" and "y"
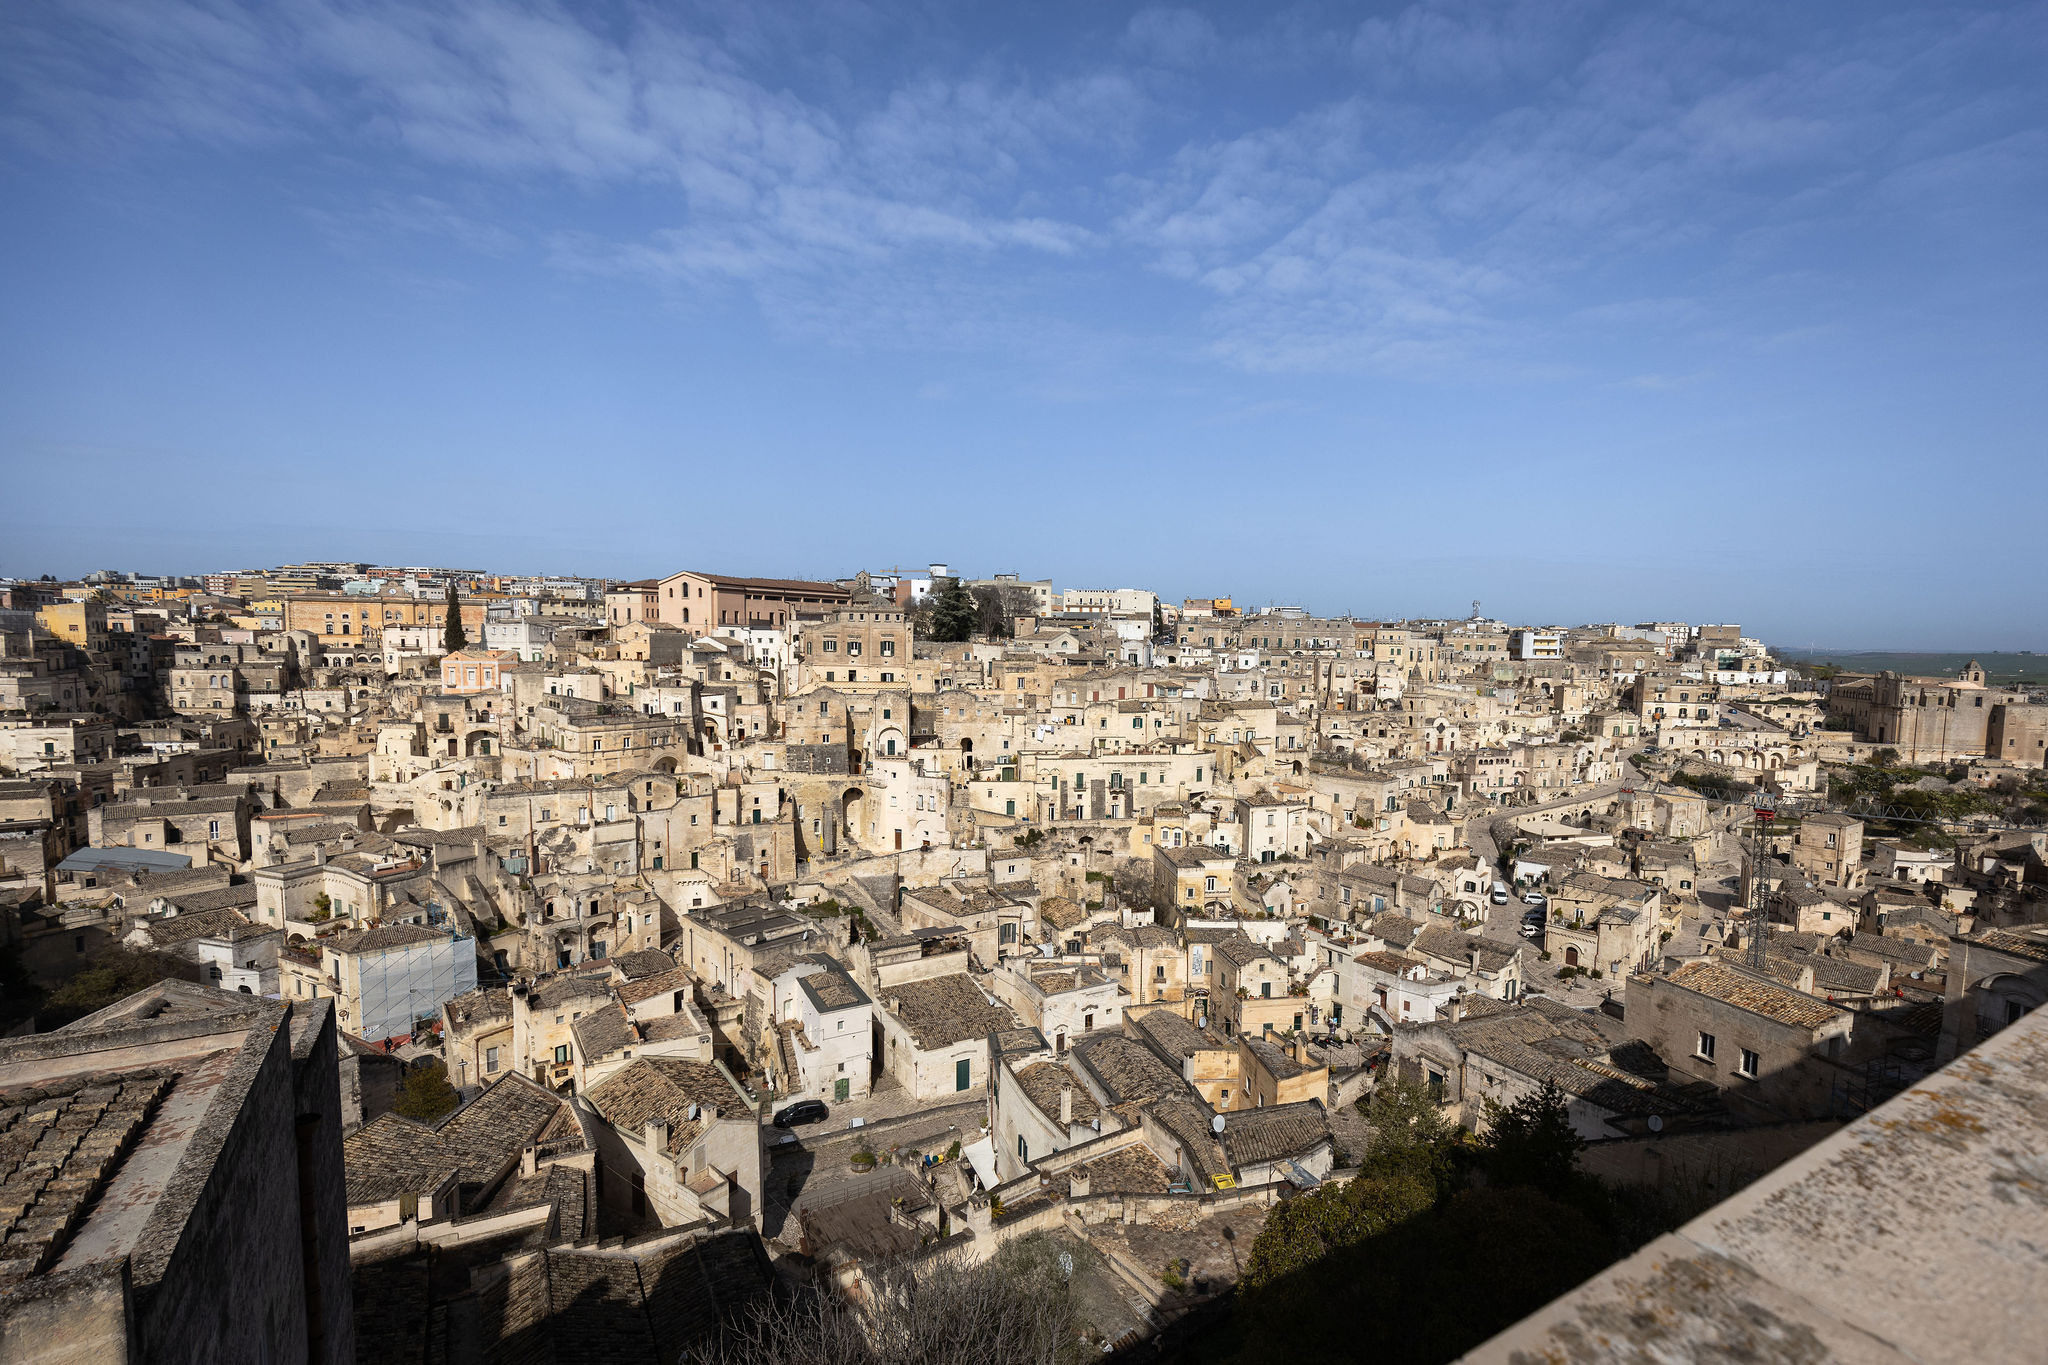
{"x": 1756, "y": 950}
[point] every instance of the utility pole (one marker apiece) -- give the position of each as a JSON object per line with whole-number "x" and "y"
{"x": 1756, "y": 950}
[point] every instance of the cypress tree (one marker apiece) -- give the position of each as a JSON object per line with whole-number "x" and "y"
{"x": 452, "y": 638}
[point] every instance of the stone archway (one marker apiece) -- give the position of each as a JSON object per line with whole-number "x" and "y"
{"x": 1571, "y": 957}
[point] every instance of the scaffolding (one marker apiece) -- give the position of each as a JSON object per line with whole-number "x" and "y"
{"x": 408, "y": 982}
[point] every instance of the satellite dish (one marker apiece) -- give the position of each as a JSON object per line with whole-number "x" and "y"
{"x": 1216, "y": 1124}
{"x": 1656, "y": 1123}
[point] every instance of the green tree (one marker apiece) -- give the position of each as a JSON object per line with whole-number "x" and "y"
{"x": 425, "y": 1093}
{"x": 1531, "y": 1142}
{"x": 114, "y": 974}
{"x": 955, "y": 612}
{"x": 1300, "y": 1232}
{"x": 453, "y": 638}
{"x": 1411, "y": 1136}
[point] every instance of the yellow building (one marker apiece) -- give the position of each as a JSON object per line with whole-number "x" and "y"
{"x": 81, "y": 623}
{"x": 346, "y": 619}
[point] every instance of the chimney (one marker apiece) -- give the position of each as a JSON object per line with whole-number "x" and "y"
{"x": 1067, "y": 1106}
{"x": 657, "y": 1136}
{"x": 1454, "y": 1010}
{"x": 320, "y": 855}
{"x": 529, "y": 1161}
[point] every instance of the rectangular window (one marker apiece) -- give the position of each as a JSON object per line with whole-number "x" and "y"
{"x": 562, "y": 1054}
{"x": 490, "y": 1059}
{"x": 1705, "y": 1051}
{"x": 960, "y": 1072}
{"x": 1748, "y": 1064}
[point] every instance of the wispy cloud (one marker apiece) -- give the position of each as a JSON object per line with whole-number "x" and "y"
{"x": 1455, "y": 183}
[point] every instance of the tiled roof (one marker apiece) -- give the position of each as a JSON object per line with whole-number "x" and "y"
{"x": 1456, "y": 946}
{"x": 1767, "y": 998}
{"x": 566, "y": 1187}
{"x": 1174, "y": 1035}
{"x": 59, "y": 1146}
{"x": 665, "y": 1088}
{"x": 1188, "y": 1119}
{"x": 1042, "y": 1082}
{"x": 643, "y": 963}
{"x": 1060, "y": 912}
{"x": 183, "y": 928}
{"x": 1243, "y": 952}
{"x": 553, "y": 994}
{"x": 390, "y": 1155}
{"x": 1126, "y": 1069}
{"x": 212, "y": 898}
{"x": 945, "y": 1010}
{"x": 647, "y": 987}
{"x": 1128, "y": 1170}
{"x": 382, "y": 937}
{"x": 2014, "y": 942}
{"x": 602, "y": 1032}
{"x": 1273, "y": 1133}
{"x": 479, "y": 1007}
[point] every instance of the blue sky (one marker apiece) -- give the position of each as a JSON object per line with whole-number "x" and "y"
{"x": 1590, "y": 311}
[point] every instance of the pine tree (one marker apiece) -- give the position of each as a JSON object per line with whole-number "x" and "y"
{"x": 956, "y": 613}
{"x": 452, "y": 638}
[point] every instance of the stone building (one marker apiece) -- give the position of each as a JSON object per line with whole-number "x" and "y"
{"x": 185, "y": 1199}
{"x": 1929, "y": 720}
{"x": 1770, "y": 1050}
{"x": 1828, "y": 848}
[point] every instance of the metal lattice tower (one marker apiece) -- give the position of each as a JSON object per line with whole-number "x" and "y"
{"x": 1756, "y": 949}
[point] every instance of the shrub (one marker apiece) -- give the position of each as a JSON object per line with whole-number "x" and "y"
{"x": 425, "y": 1094}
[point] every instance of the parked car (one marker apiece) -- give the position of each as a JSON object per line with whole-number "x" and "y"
{"x": 1535, "y": 898}
{"x": 1532, "y": 928}
{"x": 803, "y": 1111}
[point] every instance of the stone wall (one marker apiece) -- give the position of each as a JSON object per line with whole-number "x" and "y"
{"x": 218, "y": 1268}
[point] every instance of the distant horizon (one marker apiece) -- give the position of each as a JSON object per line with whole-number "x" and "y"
{"x": 1779, "y": 643}
{"x": 1594, "y": 311}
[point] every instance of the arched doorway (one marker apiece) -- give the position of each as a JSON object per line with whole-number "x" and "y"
{"x": 852, "y": 808}
{"x": 1571, "y": 957}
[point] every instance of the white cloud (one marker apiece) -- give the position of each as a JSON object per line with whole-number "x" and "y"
{"x": 1481, "y": 183}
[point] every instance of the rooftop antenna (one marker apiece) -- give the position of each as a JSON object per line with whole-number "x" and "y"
{"x": 1756, "y": 950}
{"x": 1475, "y": 609}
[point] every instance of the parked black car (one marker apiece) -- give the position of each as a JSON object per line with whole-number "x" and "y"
{"x": 803, "y": 1111}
